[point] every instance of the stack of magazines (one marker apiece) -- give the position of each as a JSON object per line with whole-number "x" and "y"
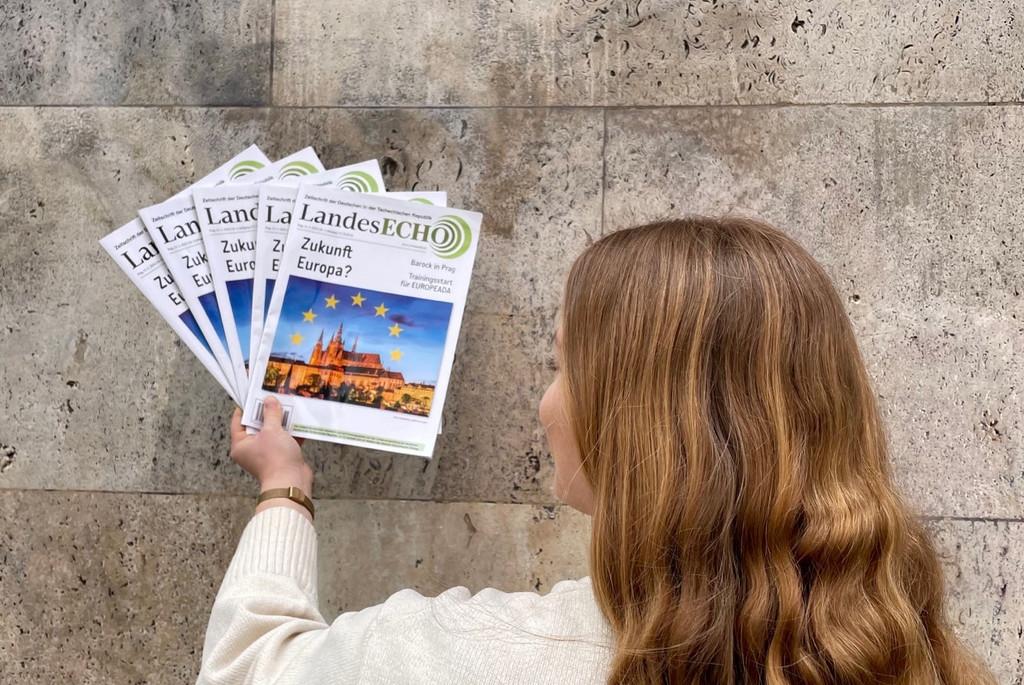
{"x": 316, "y": 285}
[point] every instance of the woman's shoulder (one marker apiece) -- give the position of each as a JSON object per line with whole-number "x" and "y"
{"x": 574, "y": 589}
{"x": 569, "y": 603}
{"x": 490, "y": 636}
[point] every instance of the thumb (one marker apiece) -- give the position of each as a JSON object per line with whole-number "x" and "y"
{"x": 271, "y": 412}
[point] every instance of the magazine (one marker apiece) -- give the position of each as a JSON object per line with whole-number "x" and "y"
{"x": 227, "y": 223}
{"x": 132, "y": 248}
{"x": 363, "y": 321}
{"x": 276, "y": 200}
{"x": 276, "y": 203}
{"x": 175, "y": 231}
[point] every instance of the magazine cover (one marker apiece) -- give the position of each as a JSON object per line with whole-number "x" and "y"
{"x": 175, "y": 231}
{"x": 275, "y": 213}
{"x": 132, "y": 248}
{"x": 227, "y": 223}
{"x": 276, "y": 203}
{"x": 362, "y": 326}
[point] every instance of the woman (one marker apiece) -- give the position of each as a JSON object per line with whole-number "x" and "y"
{"x": 713, "y": 414}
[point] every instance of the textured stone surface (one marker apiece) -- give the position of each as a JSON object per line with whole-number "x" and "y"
{"x": 130, "y": 52}
{"x": 432, "y": 546}
{"x": 609, "y": 52}
{"x": 982, "y": 562}
{"x": 100, "y": 588}
{"x": 911, "y": 210}
{"x": 117, "y": 589}
{"x": 92, "y": 404}
{"x": 109, "y": 589}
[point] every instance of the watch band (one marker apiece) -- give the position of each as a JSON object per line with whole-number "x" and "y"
{"x": 293, "y": 493}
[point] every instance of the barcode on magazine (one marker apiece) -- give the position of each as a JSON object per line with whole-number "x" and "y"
{"x": 286, "y": 414}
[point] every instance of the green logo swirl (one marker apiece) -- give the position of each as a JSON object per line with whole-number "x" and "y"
{"x": 244, "y": 168}
{"x": 297, "y": 168}
{"x": 421, "y": 200}
{"x": 450, "y": 236}
{"x": 358, "y": 182}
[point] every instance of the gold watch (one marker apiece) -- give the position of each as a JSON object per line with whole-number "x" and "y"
{"x": 293, "y": 493}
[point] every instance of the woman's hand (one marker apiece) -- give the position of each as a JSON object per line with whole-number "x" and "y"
{"x": 272, "y": 456}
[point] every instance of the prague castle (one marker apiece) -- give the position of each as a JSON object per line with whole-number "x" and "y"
{"x": 334, "y": 373}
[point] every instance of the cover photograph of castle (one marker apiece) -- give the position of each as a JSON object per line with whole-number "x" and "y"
{"x": 357, "y": 346}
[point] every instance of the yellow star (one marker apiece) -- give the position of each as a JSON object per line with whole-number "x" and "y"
{"x": 380, "y": 310}
{"x": 357, "y": 300}
{"x": 296, "y": 338}
{"x": 395, "y": 329}
{"x": 308, "y": 316}
{"x": 396, "y": 354}
{"x": 332, "y": 302}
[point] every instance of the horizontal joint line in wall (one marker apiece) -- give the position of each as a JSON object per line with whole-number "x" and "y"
{"x": 774, "y": 105}
{"x": 232, "y": 495}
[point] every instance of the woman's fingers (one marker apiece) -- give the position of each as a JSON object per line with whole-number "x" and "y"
{"x": 271, "y": 412}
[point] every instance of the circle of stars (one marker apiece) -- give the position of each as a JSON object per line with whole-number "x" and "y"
{"x": 331, "y": 302}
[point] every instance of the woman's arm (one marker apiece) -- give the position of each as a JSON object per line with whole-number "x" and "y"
{"x": 266, "y": 614}
{"x": 266, "y": 626}
{"x": 266, "y": 607}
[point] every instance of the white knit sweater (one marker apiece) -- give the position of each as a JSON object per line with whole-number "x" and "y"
{"x": 266, "y": 627}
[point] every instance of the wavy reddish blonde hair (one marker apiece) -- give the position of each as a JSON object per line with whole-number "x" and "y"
{"x": 747, "y": 529}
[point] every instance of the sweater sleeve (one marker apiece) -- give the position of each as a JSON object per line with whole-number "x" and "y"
{"x": 265, "y": 615}
{"x": 265, "y": 626}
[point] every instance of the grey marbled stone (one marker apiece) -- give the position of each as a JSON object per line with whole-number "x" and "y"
{"x": 983, "y": 562}
{"x": 130, "y": 52}
{"x": 660, "y": 52}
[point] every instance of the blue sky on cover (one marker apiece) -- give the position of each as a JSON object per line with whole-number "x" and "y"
{"x": 209, "y": 302}
{"x": 190, "y": 320}
{"x": 240, "y": 296}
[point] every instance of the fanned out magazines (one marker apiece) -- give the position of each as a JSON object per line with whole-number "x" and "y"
{"x": 361, "y": 328}
{"x": 132, "y": 247}
{"x": 133, "y": 250}
{"x": 174, "y": 227}
{"x": 317, "y": 285}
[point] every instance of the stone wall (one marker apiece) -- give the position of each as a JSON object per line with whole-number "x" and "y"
{"x": 886, "y": 136}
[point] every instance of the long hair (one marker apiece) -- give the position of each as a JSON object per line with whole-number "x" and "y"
{"x": 746, "y": 529}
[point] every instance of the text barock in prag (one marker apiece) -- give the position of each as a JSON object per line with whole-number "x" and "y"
{"x": 362, "y": 325}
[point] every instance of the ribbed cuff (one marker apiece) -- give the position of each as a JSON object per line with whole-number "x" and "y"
{"x": 278, "y": 541}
